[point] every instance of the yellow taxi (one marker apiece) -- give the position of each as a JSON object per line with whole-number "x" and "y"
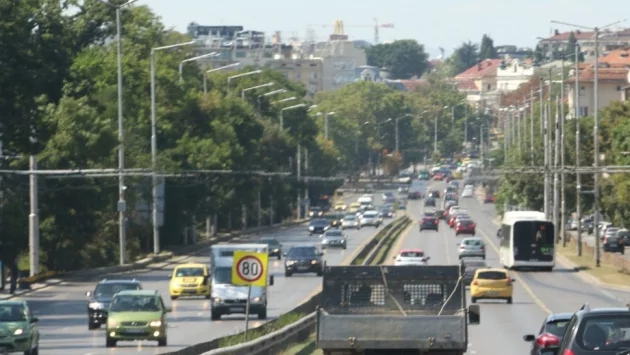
{"x": 340, "y": 206}
{"x": 458, "y": 175}
{"x": 190, "y": 280}
{"x": 355, "y": 207}
{"x": 491, "y": 284}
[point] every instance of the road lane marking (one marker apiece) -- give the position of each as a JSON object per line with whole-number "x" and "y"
{"x": 448, "y": 253}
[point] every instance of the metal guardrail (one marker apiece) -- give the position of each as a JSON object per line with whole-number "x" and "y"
{"x": 277, "y": 341}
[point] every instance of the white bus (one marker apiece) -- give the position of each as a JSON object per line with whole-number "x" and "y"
{"x": 527, "y": 240}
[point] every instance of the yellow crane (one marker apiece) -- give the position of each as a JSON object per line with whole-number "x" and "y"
{"x": 338, "y": 27}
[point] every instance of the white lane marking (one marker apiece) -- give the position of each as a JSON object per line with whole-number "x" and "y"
{"x": 200, "y": 314}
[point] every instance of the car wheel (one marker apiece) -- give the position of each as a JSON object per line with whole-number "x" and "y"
{"x": 215, "y": 315}
{"x": 279, "y": 256}
{"x": 207, "y": 296}
{"x": 509, "y": 300}
{"x": 262, "y": 314}
{"x": 320, "y": 273}
{"x": 473, "y": 300}
{"x": 33, "y": 351}
{"x": 287, "y": 274}
{"x": 110, "y": 343}
{"x": 92, "y": 325}
{"x": 162, "y": 342}
{"x": 173, "y": 298}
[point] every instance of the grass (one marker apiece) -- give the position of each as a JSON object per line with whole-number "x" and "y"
{"x": 306, "y": 347}
{"x": 263, "y": 330}
{"x": 606, "y": 273}
{"x": 387, "y": 247}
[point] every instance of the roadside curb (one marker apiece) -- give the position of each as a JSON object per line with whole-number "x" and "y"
{"x": 587, "y": 277}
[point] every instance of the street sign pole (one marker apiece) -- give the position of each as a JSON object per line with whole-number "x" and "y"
{"x": 249, "y": 269}
{"x": 249, "y": 296}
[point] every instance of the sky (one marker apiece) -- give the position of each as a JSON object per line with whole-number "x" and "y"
{"x": 435, "y": 24}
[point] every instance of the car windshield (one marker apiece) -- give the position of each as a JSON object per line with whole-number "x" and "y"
{"x": 612, "y": 230}
{"x": 302, "y": 252}
{"x": 12, "y": 313}
{"x": 319, "y": 222}
{"x": 189, "y": 272}
{"x": 466, "y": 222}
{"x": 135, "y": 303}
{"x": 350, "y": 217}
{"x": 369, "y": 215}
{"x": 604, "y": 332}
{"x": 412, "y": 254}
{"x": 270, "y": 241}
{"x": 557, "y": 327}
{"x": 492, "y": 275}
{"x": 110, "y": 289}
{"x": 222, "y": 276}
{"x": 315, "y": 209}
{"x": 611, "y": 239}
{"x": 334, "y": 234}
{"x": 472, "y": 242}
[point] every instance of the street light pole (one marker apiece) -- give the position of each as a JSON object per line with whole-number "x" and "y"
{"x": 563, "y": 202}
{"x": 326, "y": 123}
{"x": 254, "y": 88}
{"x": 531, "y": 127}
{"x": 578, "y": 139}
{"x": 154, "y": 149}
{"x": 187, "y": 60}
{"x": 275, "y": 92}
{"x": 205, "y": 75}
{"x": 230, "y": 78}
{"x": 285, "y": 109}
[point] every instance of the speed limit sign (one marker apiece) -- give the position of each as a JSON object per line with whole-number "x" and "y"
{"x": 249, "y": 269}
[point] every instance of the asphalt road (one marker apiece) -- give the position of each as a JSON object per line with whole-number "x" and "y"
{"x": 536, "y": 294}
{"x": 62, "y": 309}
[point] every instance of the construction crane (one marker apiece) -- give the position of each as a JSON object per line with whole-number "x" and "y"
{"x": 339, "y": 28}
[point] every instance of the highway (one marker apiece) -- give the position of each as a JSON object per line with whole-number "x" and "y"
{"x": 536, "y": 294}
{"x": 62, "y": 309}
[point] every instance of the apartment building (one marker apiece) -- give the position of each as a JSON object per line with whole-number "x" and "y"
{"x": 479, "y": 83}
{"x": 513, "y": 73}
{"x": 308, "y": 71}
{"x": 609, "y": 40}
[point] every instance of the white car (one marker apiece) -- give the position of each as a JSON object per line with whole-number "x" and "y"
{"x": 350, "y": 221}
{"x": 370, "y": 218}
{"x": 411, "y": 257}
{"x": 366, "y": 199}
{"x": 467, "y": 193}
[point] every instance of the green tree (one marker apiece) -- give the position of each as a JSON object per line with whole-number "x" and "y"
{"x": 487, "y": 50}
{"x": 403, "y": 58}
{"x": 464, "y": 57}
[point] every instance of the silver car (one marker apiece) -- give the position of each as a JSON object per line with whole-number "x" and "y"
{"x": 370, "y": 218}
{"x": 350, "y": 221}
{"x": 472, "y": 247}
{"x": 334, "y": 239}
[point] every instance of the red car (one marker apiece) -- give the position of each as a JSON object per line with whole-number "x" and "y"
{"x": 438, "y": 176}
{"x": 465, "y": 226}
{"x": 489, "y": 198}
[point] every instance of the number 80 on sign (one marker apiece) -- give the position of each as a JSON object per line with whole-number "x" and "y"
{"x": 249, "y": 269}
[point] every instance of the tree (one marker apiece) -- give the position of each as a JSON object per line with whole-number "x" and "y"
{"x": 539, "y": 56}
{"x": 487, "y": 50}
{"x": 464, "y": 57}
{"x": 403, "y": 58}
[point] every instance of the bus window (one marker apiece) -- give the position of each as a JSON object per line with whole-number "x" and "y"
{"x": 533, "y": 240}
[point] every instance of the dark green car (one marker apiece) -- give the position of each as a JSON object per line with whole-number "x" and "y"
{"x": 136, "y": 315}
{"x": 18, "y": 328}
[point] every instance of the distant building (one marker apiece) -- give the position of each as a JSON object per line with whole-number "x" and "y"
{"x": 512, "y": 73}
{"x": 514, "y": 52}
{"x": 609, "y": 40}
{"x": 479, "y": 83}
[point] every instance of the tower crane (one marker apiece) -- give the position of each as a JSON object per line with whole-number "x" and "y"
{"x": 339, "y": 28}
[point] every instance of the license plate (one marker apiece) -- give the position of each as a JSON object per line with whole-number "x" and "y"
{"x": 613, "y": 245}
{"x": 302, "y": 268}
{"x": 491, "y": 293}
{"x": 135, "y": 330}
{"x": 237, "y": 309}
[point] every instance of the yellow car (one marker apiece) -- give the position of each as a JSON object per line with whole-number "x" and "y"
{"x": 458, "y": 175}
{"x": 491, "y": 284}
{"x": 340, "y": 206}
{"x": 190, "y": 280}
{"x": 354, "y": 207}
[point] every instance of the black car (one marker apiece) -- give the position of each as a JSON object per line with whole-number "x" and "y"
{"x": 303, "y": 260}
{"x": 387, "y": 212}
{"x": 334, "y": 219}
{"x": 275, "y": 248}
{"x": 550, "y": 335}
{"x": 449, "y": 203}
{"x": 414, "y": 195}
{"x": 470, "y": 267}
{"x": 600, "y": 328}
{"x": 434, "y": 194}
{"x": 429, "y": 222}
{"x": 315, "y": 212}
{"x": 430, "y": 202}
{"x": 318, "y": 226}
{"x": 102, "y": 296}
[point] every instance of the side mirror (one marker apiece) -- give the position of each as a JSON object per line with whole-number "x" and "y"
{"x": 321, "y": 253}
{"x": 513, "y": 280}
{"x": 284, "y": 254}
{"x": 529, "y": 337}
{"x": 89, "y": 294}
{"x": 428, "y": 258}
{"x": 34, "y": 320}
{"x": 474, "y": 314}
{"x": 168, "y": 310}
{"x": 271, "y": 280}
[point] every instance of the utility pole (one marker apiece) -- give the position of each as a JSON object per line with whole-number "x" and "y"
{"x": 122, "y": 204}
{"x": 505, "y": 136}
{"x": 531, "y": 127}
{"x": 481, "y": 144}
{"x": 33, "y": 218}
{"x": 542, "y": 106}
{"x": 397, "y": 142}
{"x": 435, "y": 134}
{"x": 556, "y": 175}
{"x": 578, "y": 139}
{"x": 546, "y": 161}
{"x": 307, "y": 200}
{"x": 465, "y": 127}
{"x": 563, "y": 176}
{"x": 519, "y": 122}
{"x": 299, "y": 173}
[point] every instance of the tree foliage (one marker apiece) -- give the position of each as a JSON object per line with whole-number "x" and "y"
{"x": 464, "y": 57}
{"x": 487, "y": 50}
{"x": 403, "y": 58}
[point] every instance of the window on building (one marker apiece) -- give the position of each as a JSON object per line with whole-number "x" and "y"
{"x": 583, "y": 111}
{"x": 582, "y": 89}
{"x": 618, "y": 88}
{"x": 314, "y": 75}
{"x": 489, "y": 87}
{"x": 241, "y": 54}
{"x": 298, "y": 75}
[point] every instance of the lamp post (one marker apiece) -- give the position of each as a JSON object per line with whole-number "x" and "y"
{"x": 122, "y": 230}
{"x": 254, "y": 88}
{"x": 187, "y": 60}
{"x": 435, "y": 129}
{"x": 205, "y": 75}
{"x": 326, "y": 115}
{"x": 271, "y": 93}
{"x": 396, "y": 131}
{"x": 596, "y": 31}
{"x": 156, "y": 229}
{"x": 578, "y": 139}
{"x": 230, "y": 78}
{"x": 287, "y": 108}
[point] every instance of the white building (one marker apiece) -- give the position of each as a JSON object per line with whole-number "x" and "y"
{"x": 513, "y": 73}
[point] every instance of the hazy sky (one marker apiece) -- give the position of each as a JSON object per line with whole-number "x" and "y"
{"x": 435, "y": 24}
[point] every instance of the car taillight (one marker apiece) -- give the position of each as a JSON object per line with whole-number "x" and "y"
{"x": 509, "y": 282}
{"x": 472, "y": 225}
{"x": 568, "y": 352}
{"x": 546, "y": 340}
{"x": 475, "y": 283}
{"x": 437, "y": 221}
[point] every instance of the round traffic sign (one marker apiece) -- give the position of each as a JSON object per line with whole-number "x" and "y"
{"x": 249, "y": 268}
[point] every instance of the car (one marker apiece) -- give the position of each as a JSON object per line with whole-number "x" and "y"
{"x": 434, "y": 194}
{"x": 429, "y": 221}
{"x": 489, "y": 198}
{"x": 491, "y": 284}
{"x": 354, "y": 207}
{"x": 334, "y": 239}
{"x": 450, "y": 190}
{"x": 414, "y": 195}
{"x": 403, "y": 189}
{"x": 411, "y": 257}
{"x": 20, "y": 328}
{"x": 472, "y": 247}
{"x": 318, "y": 226}
{"x": 430, "y": 202}
{"x": 597, "y": 331}
{"x": 387, "y": 212}
{"x": 624, "y": 235}
{"x": 470, "y": 267}
{"x": 464, "y": 226}
{"x": 448, "y": 204}
{"x": 275, "y": 248}
{"x": 387, "y": 195}
{"x": 315, "y": 212}
{"x": 303, "y": 260}
{"x": 462, "y": 214}
{"x": 350, "y": 221}
{"x": 438, "y": 176}
{"x": 549, "y": 337}
{"x": 370, "y": 218}
{"x": 101, "y": 297}
{"x": 137, "y": 315}
{"x": 190, "y": 279}
{"x": 334, "y": 219}
{"x": 467, "y": 193}
{"x": 454, "y": 184}
{"x": 340, "y": 206}
{"x": 424, "y": 175}
{"x": 613, "y": 244}
{"x": 439, "y": 214}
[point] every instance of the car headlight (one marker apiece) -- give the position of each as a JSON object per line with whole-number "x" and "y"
{"x": 276, "y": 250}
{"x": 155, "y": 323}
{"x": 289, "y": 263}
{"x": 175, "y": 285}
{"x": 311, "y": 228}
{"x": 18, "y": 331}
{"x": 96, "y": 305}
{"x": 314, "y": 262}
{"x": 256, "y": 299}
{"x": 112, "y": 323}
